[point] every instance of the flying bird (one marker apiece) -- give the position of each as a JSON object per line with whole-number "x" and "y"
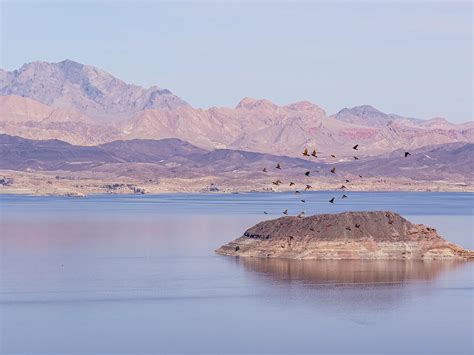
{"x": 308, "y": 187}
{"x": 357, "y": 225}
{"x": 355, "y": 147}
{"x": 407, "y": 154}
{"x": 347, "y": 180}
{"x": 265, "y": 212}
{"x": 333, "y": 170}
{"x": 332, "y": 155}
{"x": 344, "y": 196}
{"x": 343, "y": 187}
{"x": 303, "y": 201}
{"x": 355, "y": 158}
{"x": 285, "y": 212}
{"x": 348, "y": 228}
{"x": 307, "y": 173}
{"x": 314, "y": 153}
{"x": 297, "y": 192}
{"x": 278, "y": 166}
{"x": 291, "y": 183}
{"x": 305, "y": 152}
{"x": 264, "y": 170}
{"x": 278, "y": 182}
{"x": 331, "y": 200}
{"x": 360, "y": 176}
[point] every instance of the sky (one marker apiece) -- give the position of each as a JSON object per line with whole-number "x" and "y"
{"x": 413, "y": 58}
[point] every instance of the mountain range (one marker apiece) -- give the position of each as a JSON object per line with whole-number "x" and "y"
{"x": 174, "y": 158}
{"x": 83, "y": 105}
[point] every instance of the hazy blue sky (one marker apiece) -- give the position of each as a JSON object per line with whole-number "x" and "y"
{"x": 406, "y": 57}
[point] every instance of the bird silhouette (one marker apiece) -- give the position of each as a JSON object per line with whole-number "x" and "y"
{"x": 347, "y": 180}
{"x": 307, "y": 173}
{"x": 343, "y": 187}
{"x": 278, "y": 182}
{"x": 303, "y": 201}
{"x": 291, "y": 183}
{"x": 305, "y": 152}
{"x": 355, "y": 158}
{"x": 308, "y": 187}
{"x": 264, "y": 170}
{"x": 357, "y": 225}
{"x": 407, "y": 154}
{"x": 344, "y": 196}
{"x": 331, "y": 200}
{"x": 333, "y": 170}
{"x": 333, "y": 156}
{"x": 348, "y": 228}
{"x": 278, "y": 166}
{"x": 285, "y": 212}
{"x": 297, "y": 192}
{"x": 360, "y": 176}
{"x": 314, "y": 153}
{"x": 265, "y": 212}
{"x": 355, "y": 147}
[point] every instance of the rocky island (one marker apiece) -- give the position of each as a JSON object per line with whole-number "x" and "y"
{"x": 344, "y": 236}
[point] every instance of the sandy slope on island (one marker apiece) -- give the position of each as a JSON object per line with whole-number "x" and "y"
{"x": 349, "y": 235}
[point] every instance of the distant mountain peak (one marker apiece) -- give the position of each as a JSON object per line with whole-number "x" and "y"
{"x": 70, "y": 62}
{"x": 250, "y": 103}
{"x": 87, "y": 89}
{"x": 362, "y": 111}
{"x": 438, "y": 120}
{"x": 304, "y": 106}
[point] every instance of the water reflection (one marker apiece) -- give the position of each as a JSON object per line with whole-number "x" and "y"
{"x": 350, "y": 286}
{"x": 344, "y": 272}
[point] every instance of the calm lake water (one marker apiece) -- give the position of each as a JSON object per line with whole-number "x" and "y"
{"x": 137, "y": 274}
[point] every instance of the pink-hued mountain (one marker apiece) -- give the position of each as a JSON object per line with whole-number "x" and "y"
{"x": 84, "y": 105}
{"x": 31, "y": 119}
{"x": 92, "y": 91}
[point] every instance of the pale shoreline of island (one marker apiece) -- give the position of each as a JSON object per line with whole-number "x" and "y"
{"x": 61, "y": 184}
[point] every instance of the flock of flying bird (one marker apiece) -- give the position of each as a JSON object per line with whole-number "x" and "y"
{"x": 307, "y": 173}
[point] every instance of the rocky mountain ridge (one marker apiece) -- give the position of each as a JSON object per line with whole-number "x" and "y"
{"x": 84, "y": 105}
{"x": 89, "y": 90}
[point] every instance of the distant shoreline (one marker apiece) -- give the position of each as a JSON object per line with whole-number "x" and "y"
{"x": 83, "y": 193}
{"x": 61, "y": 183}
{"x": 99, "y": 194}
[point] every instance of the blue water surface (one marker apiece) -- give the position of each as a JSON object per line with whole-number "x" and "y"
{"x": 138, "y": 275}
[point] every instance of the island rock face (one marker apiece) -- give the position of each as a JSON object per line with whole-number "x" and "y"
{"x": 349, "y": 235}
